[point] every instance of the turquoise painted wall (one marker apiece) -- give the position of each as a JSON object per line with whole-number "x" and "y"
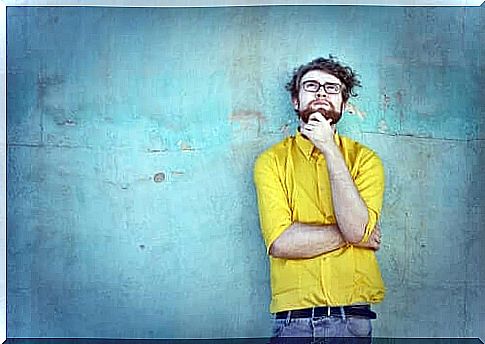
{"x": 132, "y": 134}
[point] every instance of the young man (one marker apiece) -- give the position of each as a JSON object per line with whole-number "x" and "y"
{"x": 320, "y": 196}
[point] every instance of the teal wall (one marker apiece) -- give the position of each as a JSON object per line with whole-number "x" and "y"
{"x": 132, "y": 134}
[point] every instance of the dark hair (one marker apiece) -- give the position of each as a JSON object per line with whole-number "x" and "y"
{"x": 331, "y": 66}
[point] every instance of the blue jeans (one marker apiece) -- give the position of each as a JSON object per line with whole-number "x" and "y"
{"x": 325, "y": 329}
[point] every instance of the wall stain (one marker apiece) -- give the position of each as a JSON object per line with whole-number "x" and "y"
{"x": 382, "y": 126}
{"x": 44, "y": 83}
{"x": 386, "y": 100}
{"x": 159, "y": 177}
{"x": 156, "y": 150}
{"x": 354, "y": 110}
{"x": 245, "y": 118}
{"x": 65, "y": 122}
{"x": 54, "y": 19}
{"x": 185, "y": 147}
{"x": 399, "y": 96}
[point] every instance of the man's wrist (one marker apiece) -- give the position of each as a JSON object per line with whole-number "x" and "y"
{"x": 329, "y": 149}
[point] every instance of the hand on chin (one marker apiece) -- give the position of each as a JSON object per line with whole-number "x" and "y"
{"x": 305, "y": 115}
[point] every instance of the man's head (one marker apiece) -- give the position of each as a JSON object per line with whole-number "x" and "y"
{"x": 323, "y": 85}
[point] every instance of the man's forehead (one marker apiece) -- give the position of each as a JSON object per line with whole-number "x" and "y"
{"x": 320, "y": 76}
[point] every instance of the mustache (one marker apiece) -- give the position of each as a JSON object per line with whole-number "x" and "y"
{"x": 328, "y": 114}
{"x": 318, "y": 101}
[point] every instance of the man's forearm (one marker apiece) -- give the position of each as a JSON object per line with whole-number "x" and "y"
{"x": 306, "y": 241}
{"x": 349, "y": 208}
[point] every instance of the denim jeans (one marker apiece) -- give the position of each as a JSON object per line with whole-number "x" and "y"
{"x": 325, "y": 329}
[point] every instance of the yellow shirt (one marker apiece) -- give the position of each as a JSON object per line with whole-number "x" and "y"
{"x": 291, "y": 181}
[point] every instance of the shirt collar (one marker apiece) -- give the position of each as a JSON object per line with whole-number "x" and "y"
{"x": 307, "y": 147}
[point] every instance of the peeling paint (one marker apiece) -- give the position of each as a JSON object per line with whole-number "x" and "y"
{"x": 382, "y": 126}
{"x": 185, "y": 147}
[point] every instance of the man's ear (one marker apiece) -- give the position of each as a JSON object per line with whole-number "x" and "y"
{"x": 296, "y": 103}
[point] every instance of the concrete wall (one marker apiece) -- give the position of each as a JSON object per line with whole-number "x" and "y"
{"x": 132, "y": 134}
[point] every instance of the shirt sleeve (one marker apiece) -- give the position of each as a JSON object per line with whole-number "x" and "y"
{"x": 370, "y": 182}
{"x": 274, "y": 210}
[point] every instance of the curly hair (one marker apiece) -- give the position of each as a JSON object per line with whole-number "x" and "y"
{"x": 331, "y": 66}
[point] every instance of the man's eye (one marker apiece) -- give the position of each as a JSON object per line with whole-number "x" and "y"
{"x": 311, "y": 85}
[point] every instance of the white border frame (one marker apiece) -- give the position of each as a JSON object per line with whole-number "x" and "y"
{"x": 132, "y": 3}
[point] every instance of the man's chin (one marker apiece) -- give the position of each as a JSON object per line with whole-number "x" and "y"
{"x": 305, "y": 115}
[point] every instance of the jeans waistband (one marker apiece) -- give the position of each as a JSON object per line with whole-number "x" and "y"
{"x": 316, "y": 312}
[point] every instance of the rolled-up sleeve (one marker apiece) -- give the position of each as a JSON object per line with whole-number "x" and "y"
{"x": 274, "y": 211}
{"x": 370, "y": 182}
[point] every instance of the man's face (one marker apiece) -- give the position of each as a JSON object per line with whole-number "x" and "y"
{"x": 315, "y": 98}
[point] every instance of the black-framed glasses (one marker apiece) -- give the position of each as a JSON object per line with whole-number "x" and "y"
{"x": 314, "y": 86}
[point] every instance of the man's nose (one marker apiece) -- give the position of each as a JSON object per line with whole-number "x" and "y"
{"x": 321, "y": 92}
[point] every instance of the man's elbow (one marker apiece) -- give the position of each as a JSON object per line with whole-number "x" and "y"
{"x": 355, "y": 231}
{"x": 354, "y": 235}
{"x": 353, "y": 240}
{"x": 279, "y": 250}
{"x": 275, "y": 250}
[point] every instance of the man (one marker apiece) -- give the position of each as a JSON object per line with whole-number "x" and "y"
{"x": 320, "y": 196}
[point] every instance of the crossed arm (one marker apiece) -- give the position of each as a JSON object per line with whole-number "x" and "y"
{"x": 301, "y": 240}
{"x": 306, "y": 241}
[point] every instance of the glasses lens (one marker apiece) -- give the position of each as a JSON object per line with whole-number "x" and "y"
{"x": 311, "y": 86}
{"x": 332, "y": 88}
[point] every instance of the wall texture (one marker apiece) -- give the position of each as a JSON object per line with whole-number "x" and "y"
{"x": 132, "y": 134}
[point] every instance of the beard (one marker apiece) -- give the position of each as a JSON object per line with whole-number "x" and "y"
{"x": 332, "y": 113}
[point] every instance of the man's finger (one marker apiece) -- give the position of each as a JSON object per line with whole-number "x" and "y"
{"x": 314, "y": 120}
{"x": 307, "y": 133}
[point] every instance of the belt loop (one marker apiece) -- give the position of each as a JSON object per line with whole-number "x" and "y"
{"x": 288, "y": 318}
{"x": 313, "y": 312}
{"x": 342, "y": 311}
{"x": 328, "y": 311}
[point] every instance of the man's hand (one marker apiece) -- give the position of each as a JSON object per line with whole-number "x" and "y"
{"x": 319, "y": 130}
{"x": 374, "y": 242}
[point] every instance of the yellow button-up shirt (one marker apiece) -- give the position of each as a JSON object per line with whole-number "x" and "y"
{"x": 292, "y": 185}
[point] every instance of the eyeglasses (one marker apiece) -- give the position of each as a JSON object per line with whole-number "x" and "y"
{"x": 314, "y": 86}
